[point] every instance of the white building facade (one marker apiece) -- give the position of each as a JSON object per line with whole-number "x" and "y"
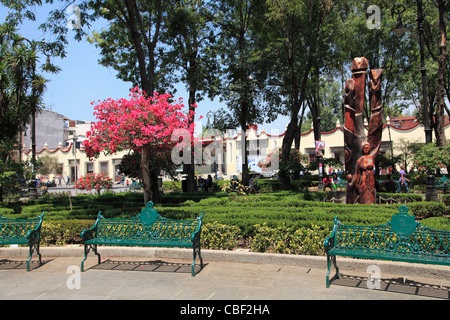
{"x": 74, "y": 163}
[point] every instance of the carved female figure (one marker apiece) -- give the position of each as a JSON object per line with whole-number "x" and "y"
{"x": 364, "y": 177}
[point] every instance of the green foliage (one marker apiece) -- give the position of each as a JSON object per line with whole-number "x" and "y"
{"x": 160, "y": 161}
{"x": 280, "y": 222}
{"x": 10, "y": 173}
{"x": 437, "y": 223}
{"x": 63, "y": 232}
{"x": 401, "y": 197}
{"x": 426, "y": 209}
{"x": 47, "y": 164}
{"x": 6, "y": 211}
{"x": 430, "y": 157}
{"x": 289, "y": 240}
{"x": 294, "y": 163}
{"x": 219, "y": 236}
{"x": 446, "y": 199}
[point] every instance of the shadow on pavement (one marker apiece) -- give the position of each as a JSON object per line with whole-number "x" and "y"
{"x": 397, "y": 285}
{"x": 148, "y": 266}
{"x": 6, "y": 264}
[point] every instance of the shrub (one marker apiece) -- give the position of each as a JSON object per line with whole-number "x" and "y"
{"x": 94, "y": 181}
{"x": 446, "y": 199}
{"x": 400, "y": 197}
{"x": 6, "y": 211}
{"x": 426, "y": 209}
{"x": 289, "y": 240}
{"x": 438, "y": 223}
{"x": 63, "y": 232}
{"x": 219, "y": 236}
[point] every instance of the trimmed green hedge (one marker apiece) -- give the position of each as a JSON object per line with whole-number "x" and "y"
{"x": 446, "y": 199}
{"x": 401, "y": 197}
{"x": 282, "y": 222}
{"x": 287, "y": 240}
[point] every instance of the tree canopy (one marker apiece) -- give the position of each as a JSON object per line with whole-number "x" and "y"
{"x": 264, "y": 58}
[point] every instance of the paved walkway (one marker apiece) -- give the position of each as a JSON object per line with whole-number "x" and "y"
{"x": 129, "y": 273}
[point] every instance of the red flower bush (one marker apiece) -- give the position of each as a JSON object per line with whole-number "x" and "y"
{"x": 94, "y": 181}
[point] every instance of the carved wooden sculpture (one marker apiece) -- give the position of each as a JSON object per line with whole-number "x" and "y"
{"x": 361, "y": 149}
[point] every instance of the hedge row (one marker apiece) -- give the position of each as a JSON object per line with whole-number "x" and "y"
{"x": 282, "y": 222}
{"x": 245, "y": 212}
{"x": 214, "y": 236}
{"x": 281, "y": 239}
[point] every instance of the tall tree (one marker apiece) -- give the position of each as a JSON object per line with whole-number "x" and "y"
{"x": 129, "y": 44}
{"x": 21, "y": 86}
{"x": 409, "y": 86}
{"x": 443, "y": 7}
{"x": 238, "y": 22}
{"x": 191, "y": 56}
{"x": 296, "y": 38}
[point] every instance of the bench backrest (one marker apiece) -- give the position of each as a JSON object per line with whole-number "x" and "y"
{"x": 148, "y": 224}
{"x": 18, "y": 228}
{"x": 400, "y": 235}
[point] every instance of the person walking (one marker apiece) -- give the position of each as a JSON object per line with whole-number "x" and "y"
{"x": 403, "y": 180}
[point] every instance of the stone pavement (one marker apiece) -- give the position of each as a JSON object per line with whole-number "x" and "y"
{"x": 164, "y": 274}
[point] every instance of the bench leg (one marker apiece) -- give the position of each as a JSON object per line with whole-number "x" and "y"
{"x": 33, "y": 247}
{"x": 331, "y": 259}
{"x": 87, "y": 249}
{"x": 197, "y": 251}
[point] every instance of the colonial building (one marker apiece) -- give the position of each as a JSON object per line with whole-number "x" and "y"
{"x": 228, "y": 159}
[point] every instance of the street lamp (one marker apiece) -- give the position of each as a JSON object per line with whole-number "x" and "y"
{"x": 400, "y": 29}
{"x": 388, "y": 123}
{"x": 75, "y": 138}
{"x": 319, "y": 137}
{"x": 431, "y": 194}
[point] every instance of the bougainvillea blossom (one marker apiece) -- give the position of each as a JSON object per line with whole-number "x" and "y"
{"x": 94, "y": 181}
{"x": 142, "y": 124}
{"x": 136, "y": 122}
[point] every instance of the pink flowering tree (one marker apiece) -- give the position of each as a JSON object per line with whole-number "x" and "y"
{"x": 140, "y": 124}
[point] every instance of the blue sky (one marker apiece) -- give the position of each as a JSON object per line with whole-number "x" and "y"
{"x": 82, "y": 80}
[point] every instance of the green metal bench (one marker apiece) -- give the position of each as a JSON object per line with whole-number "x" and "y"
{"x": 22, "y": 231}
{"x": 442, "y": 183}
{"x": 401, "y": 239}
{"x": 146, "y": 229}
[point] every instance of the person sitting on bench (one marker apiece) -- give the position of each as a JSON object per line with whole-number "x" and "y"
{"x": 327, "y": 183}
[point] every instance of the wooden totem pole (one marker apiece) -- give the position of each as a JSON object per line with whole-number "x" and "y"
{"x": 361, "y": 149}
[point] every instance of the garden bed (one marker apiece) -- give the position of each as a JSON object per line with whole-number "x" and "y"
{"x": 280, "y": 222}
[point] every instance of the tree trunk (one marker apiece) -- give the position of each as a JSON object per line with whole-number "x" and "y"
{"x": 245, "y": 174}
{"x": 190, "y": 167}
{"x": 289, "y": 136}
{"x": 440, "y": 91}
{"x": 146, "y": 178}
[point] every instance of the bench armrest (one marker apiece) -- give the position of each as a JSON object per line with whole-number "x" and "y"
{"x": 330, "y": 240}
{"x": 195, "y": 237}
{"x": 91, "y": 233}
{"x": 33, "y": 235}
